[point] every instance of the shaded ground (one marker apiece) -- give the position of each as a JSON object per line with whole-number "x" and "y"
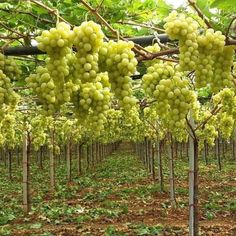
{"x": 119, "y": 198}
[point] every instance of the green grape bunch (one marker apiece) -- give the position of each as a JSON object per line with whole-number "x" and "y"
{"x": 56, "y": 41}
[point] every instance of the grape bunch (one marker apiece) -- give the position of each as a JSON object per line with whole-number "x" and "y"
{"x": 118, "y": 59}
{"x": 56, "y": 42}
{"x": 153, "y": 48}
{"x": 222, "y": 76}
{"x": 43, "y": 85}
{"x": 9, "y": 67}
{"x": 56, "y": 82}
{"x": 173, "y": 100}
{"x": 225, "y": 123}
{"x": 183, "y": 28}
{"x": 227, "y": 99}
{"x": 210, "y": 45}
{"x": 181, "y": 99}
{"x": 88, "y": 38}
{"x": 92, "y": 102}
{"x": 7, "y": 95}
{"x": 8, "y": 129}
{"x": 94, "y": 96}
{"x": 155, "y": 73}
{"x": 208, "y": 132}
{"x": 39, "y": 130}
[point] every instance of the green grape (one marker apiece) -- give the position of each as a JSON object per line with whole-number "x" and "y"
{"x": 92, "y": 102}
{"x": 171, "y": 93}
{"x": 57, "y": 41}
{"x": 118, "y": 59}
{"x": 56, "y": 84}
{"x": 208, "y": 132}
{"x": 154, "y": 48}
{"x": 9, "y": 67}
{"x": 183, "y": 28}
{"x": 88, "y": 39}
{"x": 39, "y": 130}
{"x": 43, "y": 85}
{"x": 226, "y": 97}
{"x": 7, "y": 128}
{"x": 222, "y": 76}
{"x": 225, "y": 124}
{"x": 155, "y": 73}
{"x": 210, "y": 47}
{"x": 7, "y": 95}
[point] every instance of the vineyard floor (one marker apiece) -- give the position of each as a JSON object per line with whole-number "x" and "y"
{"x": 118, "y": 197}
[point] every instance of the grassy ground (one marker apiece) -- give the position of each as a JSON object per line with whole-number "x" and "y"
{"x": 118, "y": 198}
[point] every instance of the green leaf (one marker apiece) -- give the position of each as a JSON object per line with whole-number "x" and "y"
{"x": 224, "y": 4}
{"x": 204, "y": 7}
{"x": 163, "y": 9}
{"x": 36, "y": 226}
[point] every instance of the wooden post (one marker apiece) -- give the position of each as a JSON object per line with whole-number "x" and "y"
{"x": 218, "y": 156}
{"x": 79, "y": 156}
{"x": 171, "y": 169}
{"x": 234, "y": 144}
{"x": 160, "y": 167}
{"x": 9, "y": 163}
{"x": 68, "y": 161}
{"x": 52, "y": 162}
{"x": 205, "y": 152}
{"x": 26, "y": 174}
{"x": 41, "y": 157}
{"x": 193, "y": 182}
{"x": 153, "y": 161}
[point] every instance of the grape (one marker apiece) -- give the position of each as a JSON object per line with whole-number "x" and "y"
{"x": 88, "y": 39}
{"x": 43, "y": 85}
{"x": 154, "y": 48}
{"x": 7, "y": 95}
{"x": 56, "y": 83}
{"x": 8, "y": 127}
{"x": 155, "y": 73}
{"x": 225, "y": 123}
{"x": 39, "y": 129}
{"x": 119, "y": 61}
{"x": 209, "y": 132}
{"x": 183, "y": 28}
{"x": 210, "y": 47}
{"x": 226, "y": 97}
{"x": 57, "y": 41}
{"x": 92, "y": 101}
{"x": 222, "y": 76}
{"x": 171, "y": 93}
{"x": 9, "y": 67}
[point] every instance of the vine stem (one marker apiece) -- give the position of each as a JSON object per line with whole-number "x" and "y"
{"x": 54, "y": 12}
{"x": 140, "y": 25}
{"x": 138, "y": 49}
{"x": 228, "y": 29}
{"x": 213, "y": 112}
{"x": 193, "y": 135}
{"x": 13, "y": 11}
{"x": 192, "y": 3}
{"x": 161, "y": 53}
{"x": 12, "y": 30}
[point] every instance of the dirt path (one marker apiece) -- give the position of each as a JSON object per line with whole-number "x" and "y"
{"x": 123, "y": 200}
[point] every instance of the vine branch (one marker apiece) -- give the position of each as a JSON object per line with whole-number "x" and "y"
{"x": 138, "y": 49}
{"x": 213, "y": 112}
{"x": 201, "y": 15}
{"x": 228, "y": 29}
{"x": 52, "y": 11}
